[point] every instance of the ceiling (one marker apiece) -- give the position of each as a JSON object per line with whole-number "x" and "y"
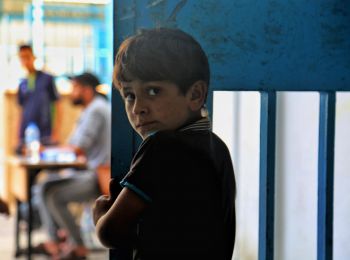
{"x": 18, "y": 6}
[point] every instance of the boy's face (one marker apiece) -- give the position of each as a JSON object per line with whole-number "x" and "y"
{"x": 154, "y": 106}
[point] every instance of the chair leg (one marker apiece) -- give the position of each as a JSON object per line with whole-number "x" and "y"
{"x": 18, "y": 250}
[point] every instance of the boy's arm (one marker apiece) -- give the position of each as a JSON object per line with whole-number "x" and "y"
{"x": 115, "y": 224}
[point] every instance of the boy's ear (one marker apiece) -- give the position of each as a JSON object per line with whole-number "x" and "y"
{"x": 196, "y": 95}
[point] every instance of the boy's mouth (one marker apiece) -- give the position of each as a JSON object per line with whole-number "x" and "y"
{"x": 145, "y": 124}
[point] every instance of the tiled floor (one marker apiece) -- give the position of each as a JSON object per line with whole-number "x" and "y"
{"x": 7, "y": 236}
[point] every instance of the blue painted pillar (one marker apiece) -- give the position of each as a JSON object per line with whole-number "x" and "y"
{"x": 123, "y": 137}
{"x": 267, "y": 175}
{"x": 326, "y": 176}
{"x": 103, "y": 44}
{"x": 38, "y": 32}
{"x": 108, "y": 63}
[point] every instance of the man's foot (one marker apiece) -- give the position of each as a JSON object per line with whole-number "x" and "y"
{"x": 74, "y": 253}
{"x": 62, "y": 235}
{"x": 47, "y": 248}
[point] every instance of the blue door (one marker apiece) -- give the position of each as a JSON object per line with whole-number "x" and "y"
{"x": 264, "y": 46}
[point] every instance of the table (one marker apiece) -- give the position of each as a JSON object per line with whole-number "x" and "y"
{"x": 31, "y": 170}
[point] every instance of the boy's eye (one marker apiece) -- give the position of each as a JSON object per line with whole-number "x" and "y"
{"x": 153, "y": 91}
{"x": 129, "y": 97}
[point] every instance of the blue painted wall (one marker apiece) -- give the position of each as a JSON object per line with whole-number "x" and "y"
{"x": 290, "y": 45}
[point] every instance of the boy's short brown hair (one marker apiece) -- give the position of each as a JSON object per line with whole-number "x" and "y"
{"x": 161, "y": 54}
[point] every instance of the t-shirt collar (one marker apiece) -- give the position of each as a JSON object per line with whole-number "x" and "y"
{"x": 202, "y": 124}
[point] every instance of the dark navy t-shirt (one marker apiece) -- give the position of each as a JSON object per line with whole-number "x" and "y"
{"x": 36, "y": 103}
{"x": 187, "y": 179}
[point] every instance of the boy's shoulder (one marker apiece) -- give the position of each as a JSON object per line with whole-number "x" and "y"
{"x": 162, "y": 139}
{"x": 164, "y": 149}
{"x": 175, "y": 141}
{"x": 193, "y": 143}
{"x": 176, "y": 137}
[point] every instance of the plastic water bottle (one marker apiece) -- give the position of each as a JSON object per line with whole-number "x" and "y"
{"x": 32, "y": 141}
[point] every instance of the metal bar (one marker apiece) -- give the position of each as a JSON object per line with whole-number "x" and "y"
{"x": 267, "y": 175}
{"x": 326, "y": 176}
{"x": 18, "y": 250}
{"x": 30, "y": 174}
{"x": 282, "y": 88}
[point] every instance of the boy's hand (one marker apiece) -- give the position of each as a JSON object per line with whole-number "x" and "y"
{"x": 104, "y": 202}
{"x": 101, "y": 206}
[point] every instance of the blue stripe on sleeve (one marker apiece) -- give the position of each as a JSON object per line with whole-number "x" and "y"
{"x": 139, "y": 192}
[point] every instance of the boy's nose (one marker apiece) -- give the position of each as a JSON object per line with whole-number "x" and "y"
{"x": 139, "y": 107}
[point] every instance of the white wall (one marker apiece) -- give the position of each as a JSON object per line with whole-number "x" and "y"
{"x": 342, "y": 179}
{"x": 296, "y": 176}
{"x": 236, "y": 121}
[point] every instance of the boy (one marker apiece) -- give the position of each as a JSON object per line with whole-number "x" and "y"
{"x": 179, "y": 192}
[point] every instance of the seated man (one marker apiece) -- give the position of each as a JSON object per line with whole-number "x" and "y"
{"x": 91, "y": 138}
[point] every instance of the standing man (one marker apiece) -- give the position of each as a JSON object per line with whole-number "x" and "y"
{"x": 36, "y": 95}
